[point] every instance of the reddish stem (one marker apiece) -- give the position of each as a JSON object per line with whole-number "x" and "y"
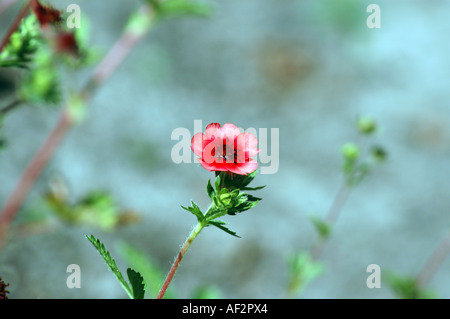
{"x": 434, "y": 262}
{"x": 32, "y": 172}
{"x": 104, "y": 70}
{"x": 177, "y": 261}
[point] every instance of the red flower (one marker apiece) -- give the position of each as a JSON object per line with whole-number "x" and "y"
{"x": 226, "y": 149}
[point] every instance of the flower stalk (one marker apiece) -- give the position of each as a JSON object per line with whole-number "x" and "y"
{"x": 195, "y": 232}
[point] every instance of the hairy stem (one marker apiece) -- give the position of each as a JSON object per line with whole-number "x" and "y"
{"x": 104, "y": 70}
{"x": 180, "y": 256}
{"x": 434, "y": 262}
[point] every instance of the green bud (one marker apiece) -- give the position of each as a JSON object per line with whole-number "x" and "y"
{"x": 379, "y": 153}
{"x": 225, "y": 199}
{"x": 366, "y": 125}
{"x": 350, "y": 151}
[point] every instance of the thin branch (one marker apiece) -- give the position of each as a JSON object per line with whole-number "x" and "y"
{"x": 331, "y": 218}
{"x": 104, "y": 70}
{"x": 180, "y": 256}
{"x": 434, "y": 262}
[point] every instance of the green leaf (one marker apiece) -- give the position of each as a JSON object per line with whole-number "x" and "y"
{"x": 239, "y": 181}
{"x": 41, "y": 85}
{"x": 252, "y": 188}
{"x": 195, "y": 210}
{"x": 303, "y": 270}
{"x": 406, "y": 287}
{"x": 137, "y": 283}
{"x": 220, "y": 224}
{"x": 139, "y": 23}
{"x": 218, "y": 182}
{"x": 210, "y": 190}
{"x": 173, "y": 8}
{"x": 207, "y": 292}
{"x": 322, "y": 228}
{"x": 97, "y": 208}
{"x": 110, "y": 262}
{"x": 147, "y": 267}
{"x": 22, "y": 44}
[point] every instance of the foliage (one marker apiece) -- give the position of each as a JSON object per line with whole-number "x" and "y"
{"x": 136, "y": 281}
{"x": 406, "y": 287}
{"x": 226, "y": 198}
{"x": 302, "y": 270}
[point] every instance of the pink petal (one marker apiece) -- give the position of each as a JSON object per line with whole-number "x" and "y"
{"x": 197, "y": 144}
{"x": 247, "y": 142}
{"x": 235, "y": 169}
{"x": 213, "y": 130}
{"x": 212, "y": 166}
{"x": 230, "y": 131}
{"x": 248, "y": 167}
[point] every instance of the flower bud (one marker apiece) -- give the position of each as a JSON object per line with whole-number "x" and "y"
{"x": 225, "y": 199}
{"x": 366, "y": 125}
{"x": 379, "y": 153}
{"x": 350, "y": 151}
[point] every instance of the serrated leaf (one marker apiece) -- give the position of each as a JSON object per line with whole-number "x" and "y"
{"x": 110, "y": 262}
{"x": 239, "y": 181}
{"x": 215, "y": 212}
{"x": 137, "y": 283}
{"x": 147, "y": 267}
{"x": 195, "y": 210}
{"x": 252, "y": 198}
{"x": 220, "y": 224}
{"x": 252, "y": 188}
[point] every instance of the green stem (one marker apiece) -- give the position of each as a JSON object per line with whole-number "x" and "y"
{"x": 180, "y": 256}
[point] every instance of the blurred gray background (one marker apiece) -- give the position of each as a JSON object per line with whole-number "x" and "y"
{"x": 306, "y": 67}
